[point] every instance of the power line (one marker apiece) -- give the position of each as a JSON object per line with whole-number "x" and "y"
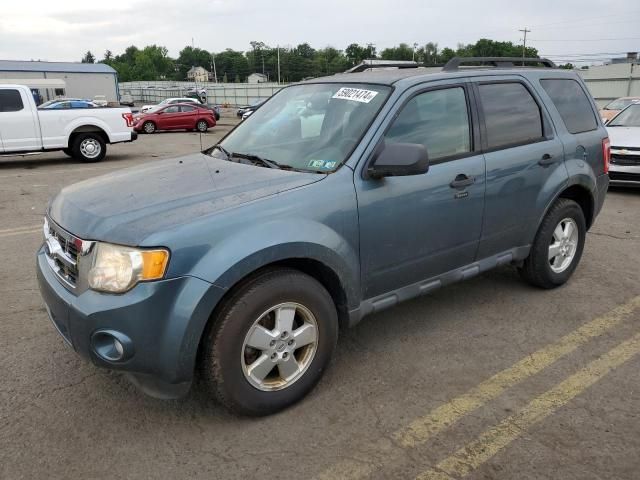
{"x": 582, "y": 39}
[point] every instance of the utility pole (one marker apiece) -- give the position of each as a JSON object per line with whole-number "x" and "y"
{"x": 278, "y": 64}
{"x": 415, "y": 45}
{"x": 524, "y": 43}
{"x": 213, "y": 61}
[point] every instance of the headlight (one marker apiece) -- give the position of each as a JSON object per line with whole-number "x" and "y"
{"x": 116, "y": 269}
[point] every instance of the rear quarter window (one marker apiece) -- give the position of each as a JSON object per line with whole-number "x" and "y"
{"x": 10, "y": 101}
{"x": 572, "y": 104}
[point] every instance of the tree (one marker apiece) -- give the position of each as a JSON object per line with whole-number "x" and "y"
{"x": 567, "y": 66}
{"x": 108, "y": 56}
{"x": 430, "y": 54}
{"x": 88, "y": 57}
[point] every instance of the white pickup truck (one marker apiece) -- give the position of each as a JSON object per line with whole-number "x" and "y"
{"x": 80, "y": 133}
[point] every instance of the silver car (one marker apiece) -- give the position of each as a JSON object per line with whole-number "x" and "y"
{"x": 624, "y": 134}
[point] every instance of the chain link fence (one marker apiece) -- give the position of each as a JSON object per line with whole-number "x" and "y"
{"x": 225, "y": 94}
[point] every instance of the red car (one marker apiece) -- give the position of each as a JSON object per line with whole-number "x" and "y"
{"x": 178, "y": 116}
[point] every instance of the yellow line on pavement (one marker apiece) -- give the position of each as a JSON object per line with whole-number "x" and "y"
{"x": 423, "y": 428}
{"x": 490, "y": 442}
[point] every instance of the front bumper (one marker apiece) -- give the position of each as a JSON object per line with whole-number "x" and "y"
{"x": 624, "y": 175}
{"x": 163, "y": 320}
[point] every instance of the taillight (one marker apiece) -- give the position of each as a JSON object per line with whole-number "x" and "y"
{"x": 606, "y": 153}
{"x": 128, "y": 117}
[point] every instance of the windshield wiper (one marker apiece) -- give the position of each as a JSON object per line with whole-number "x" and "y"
{"x": 257, "y": 158}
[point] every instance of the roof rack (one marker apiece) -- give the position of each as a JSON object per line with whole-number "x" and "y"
{"x": 367, "y": 64}
{"x": 499, "y": 62}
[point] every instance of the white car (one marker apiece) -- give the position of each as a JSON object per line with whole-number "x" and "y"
{"x": 624, "y": 136}
{"x": 100, "y": 100}
{"x": 80, "y": 133}
{"x": 169, "y": 101}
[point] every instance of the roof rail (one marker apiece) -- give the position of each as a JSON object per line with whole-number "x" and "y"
{"x": 499, "y": 62}
{"x": 367, "y": 64}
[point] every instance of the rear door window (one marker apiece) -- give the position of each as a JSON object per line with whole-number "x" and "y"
{"x": 512, "y": 116}
{"x": 186, "y": 108}
{"x": 10, "y": 101}
{"x": 572, "y": 104}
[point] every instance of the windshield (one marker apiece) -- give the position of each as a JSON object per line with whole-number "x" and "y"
{"x": 630, "y": 117}
{"x": 311, "y": 127}
{"x": 620, "y": 103}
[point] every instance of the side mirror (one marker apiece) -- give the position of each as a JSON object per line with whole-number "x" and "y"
{"x": 400, "y": 159}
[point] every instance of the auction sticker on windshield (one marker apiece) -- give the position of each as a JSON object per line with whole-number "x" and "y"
{"x": 355, "y": 94}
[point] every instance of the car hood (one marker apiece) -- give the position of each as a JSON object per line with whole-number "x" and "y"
{"x": 127, "y": 206}
{"x": 624, "y": 136}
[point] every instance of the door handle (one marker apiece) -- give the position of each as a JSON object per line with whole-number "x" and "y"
{"x": 462, "y": 181}
{"x": 547, "y": 159}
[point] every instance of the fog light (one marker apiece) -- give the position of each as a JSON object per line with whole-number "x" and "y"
{"x": 111, "y": 345}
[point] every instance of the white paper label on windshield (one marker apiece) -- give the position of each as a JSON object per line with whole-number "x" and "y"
{"x": 355, "y": 94}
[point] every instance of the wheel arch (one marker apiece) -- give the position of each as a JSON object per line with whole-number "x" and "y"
{"x": 87, "y": 129}
{"x": 584, "y": 198}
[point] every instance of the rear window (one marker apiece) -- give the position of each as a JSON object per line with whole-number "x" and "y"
{"x": 511, "y": 115}
{"x": 572, "y": 104}
{"x": 10, "y": 101}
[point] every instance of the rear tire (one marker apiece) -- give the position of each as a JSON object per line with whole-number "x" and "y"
{"x": 89, "y": 147}
{"x": 297, "y": 322}
{"x": 558, "y": 246}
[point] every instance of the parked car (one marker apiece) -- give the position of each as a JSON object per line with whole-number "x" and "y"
{"x": 624, "y": 134}
{"x": 179, "y": 116}
{"x": 79, "y": 133}
{"x": 126, "y": 99}
{"x": 170, "y": 101}
{"x": 244, "y": 260}
{"x": 240, "y": 113}
{"x": 613, "y": 108}
{"x": 100, "y": 100}
{"x": 62, "y": 99}
{"x": 65, "y": 104}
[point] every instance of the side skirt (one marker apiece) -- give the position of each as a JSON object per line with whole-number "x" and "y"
{"x": 389, "y": 299}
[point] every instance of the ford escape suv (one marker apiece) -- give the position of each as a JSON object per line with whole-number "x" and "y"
{"x": 337, "y": 198}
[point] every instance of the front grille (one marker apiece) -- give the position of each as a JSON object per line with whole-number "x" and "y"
{"x": 625, "y": 156}
{"x": 62, "y": 250}
{"x": 628, "y": 160}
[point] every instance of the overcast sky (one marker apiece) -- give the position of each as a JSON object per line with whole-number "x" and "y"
{"x": 63, "y": 30}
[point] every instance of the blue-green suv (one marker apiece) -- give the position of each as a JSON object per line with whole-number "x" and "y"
{"x": 337, "y": 198}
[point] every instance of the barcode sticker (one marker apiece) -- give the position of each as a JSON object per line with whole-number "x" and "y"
{"x": 355, "y": 94}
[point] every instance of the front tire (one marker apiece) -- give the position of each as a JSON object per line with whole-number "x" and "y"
{"x": 149, "y": 127}
{"x": 89, "y": 147}
{"x": 558, "y": 246}
{"x": 270, "y": 343}
{"x": 202, "y": 126}
{"x": 67, "y": 152}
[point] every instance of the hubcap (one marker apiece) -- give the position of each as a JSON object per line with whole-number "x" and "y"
{"x": 564, "y": 245}
{"x": 149, "y": 128}
{"x": 202, "y": 126}
{"x": 90, "y": 148}
{"x": 279, "y": 346}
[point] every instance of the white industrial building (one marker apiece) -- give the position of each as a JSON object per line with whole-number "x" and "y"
{"x": 608, "y": 82}
{"x": 53, "y": 79}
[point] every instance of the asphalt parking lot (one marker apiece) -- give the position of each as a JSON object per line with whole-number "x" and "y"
{"x": 485, "y": 379}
